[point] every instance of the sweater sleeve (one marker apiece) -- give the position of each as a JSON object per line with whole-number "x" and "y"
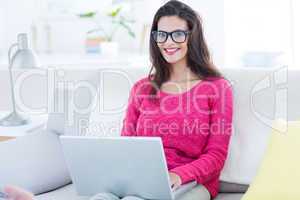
{"x": 211, "y": 161}
{"x": 131, "y": 115}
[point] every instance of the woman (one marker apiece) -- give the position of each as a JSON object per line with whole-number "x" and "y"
{"x": 185, "y": 101}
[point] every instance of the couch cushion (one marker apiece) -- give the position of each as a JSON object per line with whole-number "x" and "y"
{"x": 65, "y": 193}
{"x": 278, "y": 176}
{"x": 232, "y": 187}
{"x": 68, "y": 192}
{"x": 229, "y": 196}
{"x": 260, "y": 96}
{"x": 34, "y": 162}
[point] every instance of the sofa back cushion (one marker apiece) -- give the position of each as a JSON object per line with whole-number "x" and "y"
{"x": 226, "y": 187}
{"x": 34, "y": 162}
{"x": 260, "y": 96}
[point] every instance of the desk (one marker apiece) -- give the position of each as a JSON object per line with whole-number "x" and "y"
{"x": 10, "y": 132}
{"x": 4, "y": 138}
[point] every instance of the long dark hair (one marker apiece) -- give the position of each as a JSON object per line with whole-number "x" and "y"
{"x": 198, "y": 56}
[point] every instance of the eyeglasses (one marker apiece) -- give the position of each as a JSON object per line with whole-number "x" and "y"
{"x": 178, "y": 36}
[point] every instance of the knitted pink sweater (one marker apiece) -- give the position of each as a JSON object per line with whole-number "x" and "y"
{"x": 195, "y": 127}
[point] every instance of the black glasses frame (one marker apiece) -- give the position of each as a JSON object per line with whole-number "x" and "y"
{"x": 170, "y": 34}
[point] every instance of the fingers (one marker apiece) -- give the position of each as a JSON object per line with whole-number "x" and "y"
{"x": 175, "y": 180}
{"x": 16, "y": 193}
{"x": 175, "y": 186}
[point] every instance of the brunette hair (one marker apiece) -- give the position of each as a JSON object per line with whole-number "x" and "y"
{"x": 198, "y": 56}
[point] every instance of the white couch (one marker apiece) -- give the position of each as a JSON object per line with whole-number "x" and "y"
{"x": 260, "y": 96}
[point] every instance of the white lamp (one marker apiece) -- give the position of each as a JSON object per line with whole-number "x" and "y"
{"x": 24, "y": 58}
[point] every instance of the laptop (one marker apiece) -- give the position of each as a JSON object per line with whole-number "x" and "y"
{"x": 123, "y": 166}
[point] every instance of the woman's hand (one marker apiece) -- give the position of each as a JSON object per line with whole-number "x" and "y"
{"x": 15, "y": 193}
{"x": 175, "y": 180}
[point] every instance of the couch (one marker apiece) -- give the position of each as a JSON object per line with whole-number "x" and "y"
{"x": 260, "y": 96}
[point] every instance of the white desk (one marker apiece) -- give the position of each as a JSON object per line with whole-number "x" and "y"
{"x": 10, "y": 132}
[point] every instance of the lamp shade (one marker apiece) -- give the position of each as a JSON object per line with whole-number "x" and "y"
{"x": 24, "y": 57}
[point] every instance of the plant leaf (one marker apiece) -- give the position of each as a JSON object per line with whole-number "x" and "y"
{"x": 129, "y": 30}
{"x": 115, "y": 12}
{"x": 87, "y": 14}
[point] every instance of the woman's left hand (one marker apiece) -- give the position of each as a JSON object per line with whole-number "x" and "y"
{"x": 175, "y": 180}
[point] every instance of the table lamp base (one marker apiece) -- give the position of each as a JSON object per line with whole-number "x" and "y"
{"x": 14, "y": 119}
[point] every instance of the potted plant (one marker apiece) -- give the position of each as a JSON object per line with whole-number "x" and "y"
{"x": 101, "y": 38}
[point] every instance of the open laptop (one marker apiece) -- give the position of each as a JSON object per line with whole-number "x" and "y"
{"x": 124, "y": 166}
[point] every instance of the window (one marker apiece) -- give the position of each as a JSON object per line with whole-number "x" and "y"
{"x": 295, "y": 34}
{"x": 257, "y": 32}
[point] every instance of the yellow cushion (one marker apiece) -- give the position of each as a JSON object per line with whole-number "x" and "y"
{"x": 278, "y": 177}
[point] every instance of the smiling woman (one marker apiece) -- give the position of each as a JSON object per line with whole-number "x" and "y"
{"x": 178, "y": 40}
{"x": 183, "y": 89}
{"x": 188, "y": 92}
{"x": 175, "y": 49}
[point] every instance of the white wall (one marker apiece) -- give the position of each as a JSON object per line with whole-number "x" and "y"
{"x": 212, "y": 13}
{"x": 67, "y": 36}
{"x": 256, "y": 25}
{"x": 143, "y": 12}
{"x": 1, "y": 30}
{"x": 17, "y": 16}
{"x": 296, "y": 33}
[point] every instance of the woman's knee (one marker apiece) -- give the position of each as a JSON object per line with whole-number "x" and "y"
{"x": 198, "y": 192}
{"x": 104, "y": 196}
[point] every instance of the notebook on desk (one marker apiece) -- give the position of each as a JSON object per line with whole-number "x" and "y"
{"x": 123, "y": 166}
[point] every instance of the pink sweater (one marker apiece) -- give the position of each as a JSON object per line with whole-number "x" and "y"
{"x": 195, "y": 127}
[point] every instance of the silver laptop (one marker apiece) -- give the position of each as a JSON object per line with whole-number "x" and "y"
{"x": 124, "y": 166}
